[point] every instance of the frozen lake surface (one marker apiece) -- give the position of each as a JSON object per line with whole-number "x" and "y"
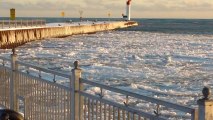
{"x": 172, "y": 67}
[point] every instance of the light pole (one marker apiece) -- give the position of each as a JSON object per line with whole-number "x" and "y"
{"x": 109, "y": 15}
{"x": 81, "y": 14}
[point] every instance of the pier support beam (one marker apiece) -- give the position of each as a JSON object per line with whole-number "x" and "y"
{"x": 205, "y": 109}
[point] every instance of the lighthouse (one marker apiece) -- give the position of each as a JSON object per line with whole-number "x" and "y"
{"x": 128, "y": 10}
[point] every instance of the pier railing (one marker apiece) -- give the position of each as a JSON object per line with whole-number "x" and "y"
{"x": 125, "y": 110}
{"x": 5, "y": 24}
{"x": 43, "y": 94}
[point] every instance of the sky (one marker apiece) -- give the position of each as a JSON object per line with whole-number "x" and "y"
{"x": 100, "y": 8}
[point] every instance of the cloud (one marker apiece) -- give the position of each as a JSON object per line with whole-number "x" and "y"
{"x": 175, "y": 5}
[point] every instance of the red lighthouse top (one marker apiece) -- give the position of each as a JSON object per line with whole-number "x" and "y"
{"x": 128, "y": 2}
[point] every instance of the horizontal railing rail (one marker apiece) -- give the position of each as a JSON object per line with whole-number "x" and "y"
{"x": 139, "y": 96}
{"x": 5, "y": 67}
{"x": 44, "y": 70}
{"x": 121, "y": 106}
{"x": 167, "y": 104}
{"x": 4, "y": 58}
{"x": 40, "y": 70}
{"x": 43, "y": 80}
{"x": 5, "y": 62}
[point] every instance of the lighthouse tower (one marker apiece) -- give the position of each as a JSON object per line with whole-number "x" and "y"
{"x": 128, "y": 10}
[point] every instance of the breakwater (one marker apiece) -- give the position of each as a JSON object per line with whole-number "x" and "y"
{"x": 11, "y": 38}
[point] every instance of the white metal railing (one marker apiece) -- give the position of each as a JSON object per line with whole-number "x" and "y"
{"x": 20, "y": 23}
{"x": 41, "y": 70}
{"x": 43, "y": 98}
{"x": 5, "y": 87}
{"x": 126, "y": 107}
{"x": 48, "y": 100}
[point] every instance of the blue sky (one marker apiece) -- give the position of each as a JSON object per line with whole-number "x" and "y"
{"x": 100, "y": 8}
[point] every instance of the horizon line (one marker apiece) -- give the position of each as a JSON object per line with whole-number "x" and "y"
{"x": 107, "y": 17}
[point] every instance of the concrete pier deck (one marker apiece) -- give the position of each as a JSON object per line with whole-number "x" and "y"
{"x": 14, "y": 37}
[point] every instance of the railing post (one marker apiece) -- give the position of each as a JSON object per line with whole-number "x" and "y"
{"x": 76, "y": 99}
{"x": 15, "y": 23}
{"x": 194, "y": 114}
{"x": 9, "y": 23}
{"x": 21, "y": 23}
{"x": 13, "y": 98}
{"x": 205, "y": 105}
{"x": 2, "y": 24}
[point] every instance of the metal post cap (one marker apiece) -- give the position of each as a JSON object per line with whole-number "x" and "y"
{"x": 76, "y": 64}
{"x": 206, "y": 93}
{"x": 13, "y": 51}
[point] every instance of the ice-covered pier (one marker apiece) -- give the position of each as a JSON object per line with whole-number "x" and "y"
{"x": 18, "y": 33}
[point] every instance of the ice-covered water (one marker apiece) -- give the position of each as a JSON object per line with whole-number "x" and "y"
{"x": 173, "y": 67}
